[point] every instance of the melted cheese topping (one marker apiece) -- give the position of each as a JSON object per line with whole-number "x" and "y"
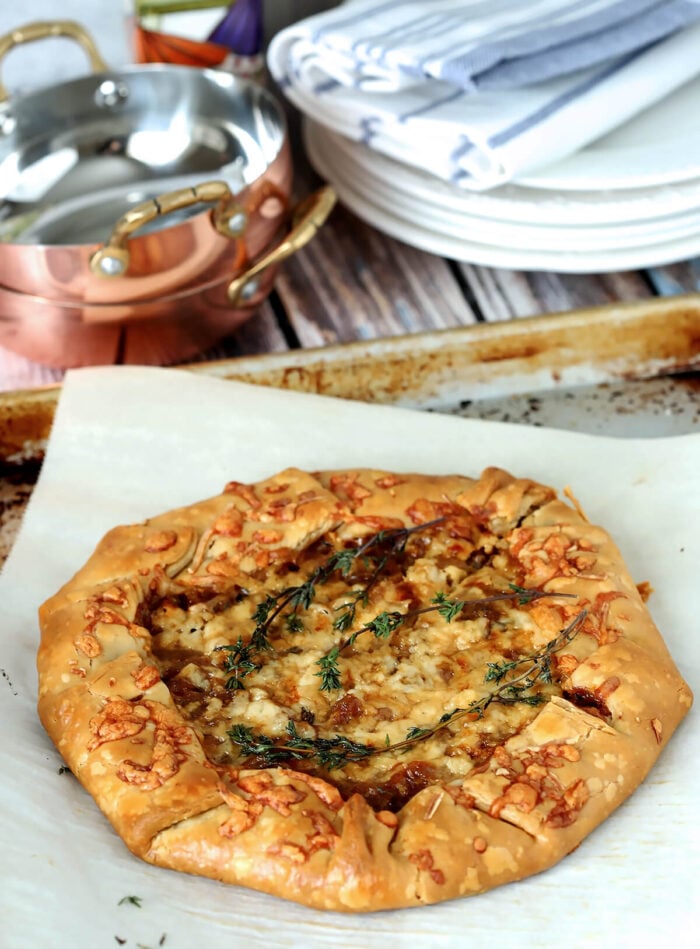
{"x": 426, "y": 669}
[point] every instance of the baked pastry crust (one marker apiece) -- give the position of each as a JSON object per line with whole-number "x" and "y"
{"x": 541, "y": 778}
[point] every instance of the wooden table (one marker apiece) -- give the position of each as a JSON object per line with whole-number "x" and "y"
{"x": 354, "y": 283}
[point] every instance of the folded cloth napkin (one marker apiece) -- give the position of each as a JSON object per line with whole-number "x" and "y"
{"x": 480, "y": 92}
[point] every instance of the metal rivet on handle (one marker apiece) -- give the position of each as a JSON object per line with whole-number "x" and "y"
{"x": 110, "y": 94}
{"x": 112, "y": 266}
{"x": 249, "y": 289}
{"x": 237, "y": 222}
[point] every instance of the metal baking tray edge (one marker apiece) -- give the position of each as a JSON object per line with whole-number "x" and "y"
{"x": 640, "y": 340}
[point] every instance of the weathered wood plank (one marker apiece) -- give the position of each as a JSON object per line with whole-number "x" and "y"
{"x": 351, "y": 282}
{"x": 676, "y": 278}
{"x": 16, "y": 372}
{"x": 507, "y": 294}
{"x": 260, "y": 334}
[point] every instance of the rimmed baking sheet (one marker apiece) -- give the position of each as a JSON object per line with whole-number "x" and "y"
{"x": 543, "y": 356}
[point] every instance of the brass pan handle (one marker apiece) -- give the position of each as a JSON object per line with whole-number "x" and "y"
{"x": 230, "y": 219}
{"x": 42, "y": 29}
{"x": 307, "y": 218}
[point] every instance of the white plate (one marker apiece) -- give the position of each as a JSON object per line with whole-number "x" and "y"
{"x": 511, "y": 203}
{"x": 661, "y": 145}
{"x": 455, "y": 222}
{"x": 521, "y": 236}
{"x": 405, "y": 228}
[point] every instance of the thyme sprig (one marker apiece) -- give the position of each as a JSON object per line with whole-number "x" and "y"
{"x": 329, "y": 671}
{"x": 329, "y": 753}
{"x": 239, "y": 662}
{"x": 241, "y": 657}
{"x": 302, "y": 595}
{"x": 509, "y": 690}
{"x": 396, "y": 539}
{"x": 387, "y": 622}
{"x": 338, "y": 750}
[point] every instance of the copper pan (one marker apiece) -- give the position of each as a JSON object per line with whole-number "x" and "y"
{"x": 114, "y": 150}
{"x": 166, "y": 329}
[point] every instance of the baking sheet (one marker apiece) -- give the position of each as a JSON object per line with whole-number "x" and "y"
{"x": 634, "y": 408}
{"x": 128, "y": 443}
{"x": 540, "y": 356}
{"x": 607, "y": 344}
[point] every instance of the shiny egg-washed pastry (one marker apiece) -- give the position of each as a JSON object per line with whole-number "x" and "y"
{"x": 356, "y": 689}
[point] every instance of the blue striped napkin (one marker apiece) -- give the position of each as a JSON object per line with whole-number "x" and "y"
{"x": 479, "y": 92}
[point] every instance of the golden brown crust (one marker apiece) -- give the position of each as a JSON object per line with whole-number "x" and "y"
{"x": 541, "y": 791}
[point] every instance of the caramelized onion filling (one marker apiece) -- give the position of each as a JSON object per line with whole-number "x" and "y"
{"x": 389, "y": 686}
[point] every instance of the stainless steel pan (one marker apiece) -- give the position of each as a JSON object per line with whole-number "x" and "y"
{"x": 130, "y": 125}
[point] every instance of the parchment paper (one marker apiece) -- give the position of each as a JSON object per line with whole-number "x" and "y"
{"x": 128, "y": 443}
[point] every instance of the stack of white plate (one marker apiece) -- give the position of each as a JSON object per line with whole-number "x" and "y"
{"x": 629, "y": 200}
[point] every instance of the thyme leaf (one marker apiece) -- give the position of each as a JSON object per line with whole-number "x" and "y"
{"x": 303, "y": 596}
{"x": 347, "y": 617}
{"x": 449, "y": 609}
{"x": 294, "y": 623}
{"x": 342, "y": 560}
{"x": 262, "y": 618}
{"x": 387, "y": 622}
{"x": 329, "y": 671}
{"x": 384, "y": 624}
{"x": 527, "y": 596}
{"x": 239, "y": 662}
{"x": 416, "y": 733}
{"x": 134, "y": 900}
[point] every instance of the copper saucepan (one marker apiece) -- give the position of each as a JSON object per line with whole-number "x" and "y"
{"x": 144, "y": 210}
